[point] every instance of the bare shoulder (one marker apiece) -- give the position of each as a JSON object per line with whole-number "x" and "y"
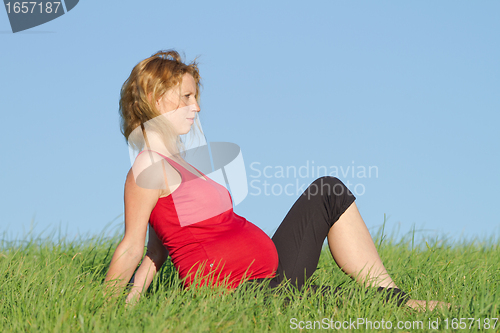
{"x": 151, "y": 171}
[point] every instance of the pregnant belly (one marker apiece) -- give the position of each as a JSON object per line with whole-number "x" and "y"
{"x": 247, "y": 253}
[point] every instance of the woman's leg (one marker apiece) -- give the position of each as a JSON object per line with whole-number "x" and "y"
{"x": 353, "y": 250}
{"x": 300, "y": 236}
{"x": 327, "y": 208}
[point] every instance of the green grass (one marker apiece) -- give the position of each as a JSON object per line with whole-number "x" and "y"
{"x": 48, "y": 286}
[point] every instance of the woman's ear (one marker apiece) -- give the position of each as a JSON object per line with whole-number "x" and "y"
{"x": 157, "y": 102}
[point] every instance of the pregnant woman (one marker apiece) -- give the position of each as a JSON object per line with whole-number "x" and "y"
{"x": 191, "y": 218}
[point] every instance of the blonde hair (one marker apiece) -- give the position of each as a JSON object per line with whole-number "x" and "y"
{"x": 148, "y": 81}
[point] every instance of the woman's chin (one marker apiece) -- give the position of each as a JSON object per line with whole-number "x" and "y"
{"x": 185, "y": 131}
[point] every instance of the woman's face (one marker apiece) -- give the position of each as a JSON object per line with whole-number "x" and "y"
{"x": 180, "y": 106}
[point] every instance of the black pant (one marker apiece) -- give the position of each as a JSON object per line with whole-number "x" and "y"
{"x": 299, "y": 238}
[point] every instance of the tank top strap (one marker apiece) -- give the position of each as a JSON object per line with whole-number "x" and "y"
{"x": 186, "y": 171}
{"x": 186, "y": 174}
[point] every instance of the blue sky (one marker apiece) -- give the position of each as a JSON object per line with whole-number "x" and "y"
{"x": 411, "y": 89}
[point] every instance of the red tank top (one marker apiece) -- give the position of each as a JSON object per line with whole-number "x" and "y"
{"x": 208, "y": 243}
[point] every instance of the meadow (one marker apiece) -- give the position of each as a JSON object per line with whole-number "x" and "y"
{"x": 49, "y": 285}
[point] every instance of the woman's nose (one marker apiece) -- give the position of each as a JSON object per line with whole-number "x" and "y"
{"x": 196, "y": 107}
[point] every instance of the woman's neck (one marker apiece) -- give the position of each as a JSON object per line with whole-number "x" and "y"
{"x": 155, "y": 143}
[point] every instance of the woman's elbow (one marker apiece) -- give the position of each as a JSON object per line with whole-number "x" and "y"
{"x": 157, "y": 255}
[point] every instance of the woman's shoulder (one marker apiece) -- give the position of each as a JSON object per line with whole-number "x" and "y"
{"x": 148, "y": 170}
{"x": 152, "y": 170}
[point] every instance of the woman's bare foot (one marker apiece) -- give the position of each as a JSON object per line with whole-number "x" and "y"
{"x": 422, "y": 306}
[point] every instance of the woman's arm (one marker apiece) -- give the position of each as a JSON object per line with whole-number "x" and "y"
{"x": 156, "y": 255}
{"x": 139, "y": 202}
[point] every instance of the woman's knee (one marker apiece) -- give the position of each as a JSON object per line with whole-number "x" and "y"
{"x": 327, "y": 186}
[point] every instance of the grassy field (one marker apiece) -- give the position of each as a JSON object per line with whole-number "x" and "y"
{"x": 49, "y": 286}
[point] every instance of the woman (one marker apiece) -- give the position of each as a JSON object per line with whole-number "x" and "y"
{"x": 191, "y": 217}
